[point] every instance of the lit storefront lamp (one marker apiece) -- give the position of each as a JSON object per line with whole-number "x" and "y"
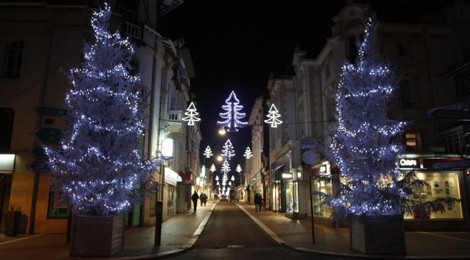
{"x": 167, "y": 148}
{"x": 7, "y": 163}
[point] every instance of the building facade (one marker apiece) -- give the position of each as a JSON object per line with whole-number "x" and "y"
{"x": 428, "y": 54}
{"x": 41, "y": 42}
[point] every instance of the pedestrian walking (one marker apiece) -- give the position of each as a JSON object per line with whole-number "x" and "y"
{"x": 258, "y": 201}
{"x": 194, "y": 198}
{"x": 203, "y": 199}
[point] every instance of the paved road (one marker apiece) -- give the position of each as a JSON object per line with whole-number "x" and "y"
{"x": 231, "y": 234}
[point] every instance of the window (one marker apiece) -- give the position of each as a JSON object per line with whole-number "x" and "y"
{"x": 7, "y": 116}
{"x": 12, "y": 59}
{"x": 407, "y": 95}
{"x": 413, "y": 142}
{"x": 462, "y": 82}
{"x": 454, "y": 142}
{"x": 57, "y": 208}
{"x": 403, "y": 49}
{"x": 442, "y": 184}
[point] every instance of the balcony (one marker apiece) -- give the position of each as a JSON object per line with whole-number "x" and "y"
{"x": 175, "y": 122}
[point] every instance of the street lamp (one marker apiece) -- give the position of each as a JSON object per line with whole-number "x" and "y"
{"x": 165, "y": 154}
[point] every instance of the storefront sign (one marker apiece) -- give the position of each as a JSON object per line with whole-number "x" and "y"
{"x": 408, "y": 163}
{"x": 287, "y": 175}
{"x": 171, "y": 177}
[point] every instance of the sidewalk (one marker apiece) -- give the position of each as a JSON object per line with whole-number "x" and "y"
{"x": 297, "y": 234}
{"x": 180, "y": 232}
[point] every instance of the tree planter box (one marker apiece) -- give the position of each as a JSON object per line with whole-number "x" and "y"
{"x": 378, "y": 235}
{"x": 96, "y": 235}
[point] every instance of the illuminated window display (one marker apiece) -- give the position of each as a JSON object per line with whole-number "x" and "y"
{"x": 325, "y": 186}
{"x": 442, "y": 184}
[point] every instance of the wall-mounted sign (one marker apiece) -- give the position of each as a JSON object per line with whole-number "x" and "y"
{"x": 408, "y": 163}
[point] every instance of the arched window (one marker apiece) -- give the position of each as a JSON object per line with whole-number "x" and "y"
{"x": 7, "y": 117}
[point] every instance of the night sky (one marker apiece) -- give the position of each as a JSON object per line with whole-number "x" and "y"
{"x": 235, "y": 45}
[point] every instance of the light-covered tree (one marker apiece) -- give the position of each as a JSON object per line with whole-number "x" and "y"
{"x": 366, "y": 141}
{"x": 98, "y": 168}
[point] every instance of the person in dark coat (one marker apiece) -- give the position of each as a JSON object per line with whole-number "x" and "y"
{"x": 203, "y": 199}
{"x": 258, "y": 201}
{"x": 194, "y": 198}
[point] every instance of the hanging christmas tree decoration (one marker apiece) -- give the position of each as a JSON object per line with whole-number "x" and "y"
{"x": 239, "y": 168}
{"x": 273, "y": 117}
{"x": 248, "y": 154}
{"x": 212, "y": 168}
{"x": 208, "y": 152}
{"x": 191, "y": 114}
{"x": 98, "y": 168}
{"x": 225, "y": 167}
{"x": 365, "y": 144}
{"x": 227, "y": 150}
{"x": 231, "y": 118}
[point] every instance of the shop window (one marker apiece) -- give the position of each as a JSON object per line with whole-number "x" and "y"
{"x": 442, "y": 184}
{"x": 323, "y": 185}
{"x": 7, "y": 117}
{"x": 57, "y": 207}
{"x": 12, "y": 59}
{"x": 413, "y": 142}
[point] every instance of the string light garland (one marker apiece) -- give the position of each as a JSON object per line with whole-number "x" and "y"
{"x": 98, "y": 168}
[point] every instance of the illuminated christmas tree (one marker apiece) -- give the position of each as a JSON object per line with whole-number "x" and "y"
{"x": 98, "y": 168}
{"x": 232, "y": 116}
{"x": 191, "y": 114}
{"x": 208, "y": 152}
{"x": 248, "y": 154}
{"x": 273, "y": 117}
{"x": 227, "y": 150}
{"x": 365, "y": 144}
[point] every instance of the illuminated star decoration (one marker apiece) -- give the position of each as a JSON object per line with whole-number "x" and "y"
{"x": 191, "y": 114}
{"x": 231, "y": 118}
{"x": 273, "y": 117}
{"x": 248, "y": 154}
{"x": 208, "y": 152}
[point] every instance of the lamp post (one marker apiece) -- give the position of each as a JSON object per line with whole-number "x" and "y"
{"x": 165, "y": 155}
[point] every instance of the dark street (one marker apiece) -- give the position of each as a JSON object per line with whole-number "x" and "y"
{"x": 231, "y": 234}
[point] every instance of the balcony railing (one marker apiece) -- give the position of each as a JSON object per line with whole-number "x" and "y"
{"x": 134, "y": 31}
